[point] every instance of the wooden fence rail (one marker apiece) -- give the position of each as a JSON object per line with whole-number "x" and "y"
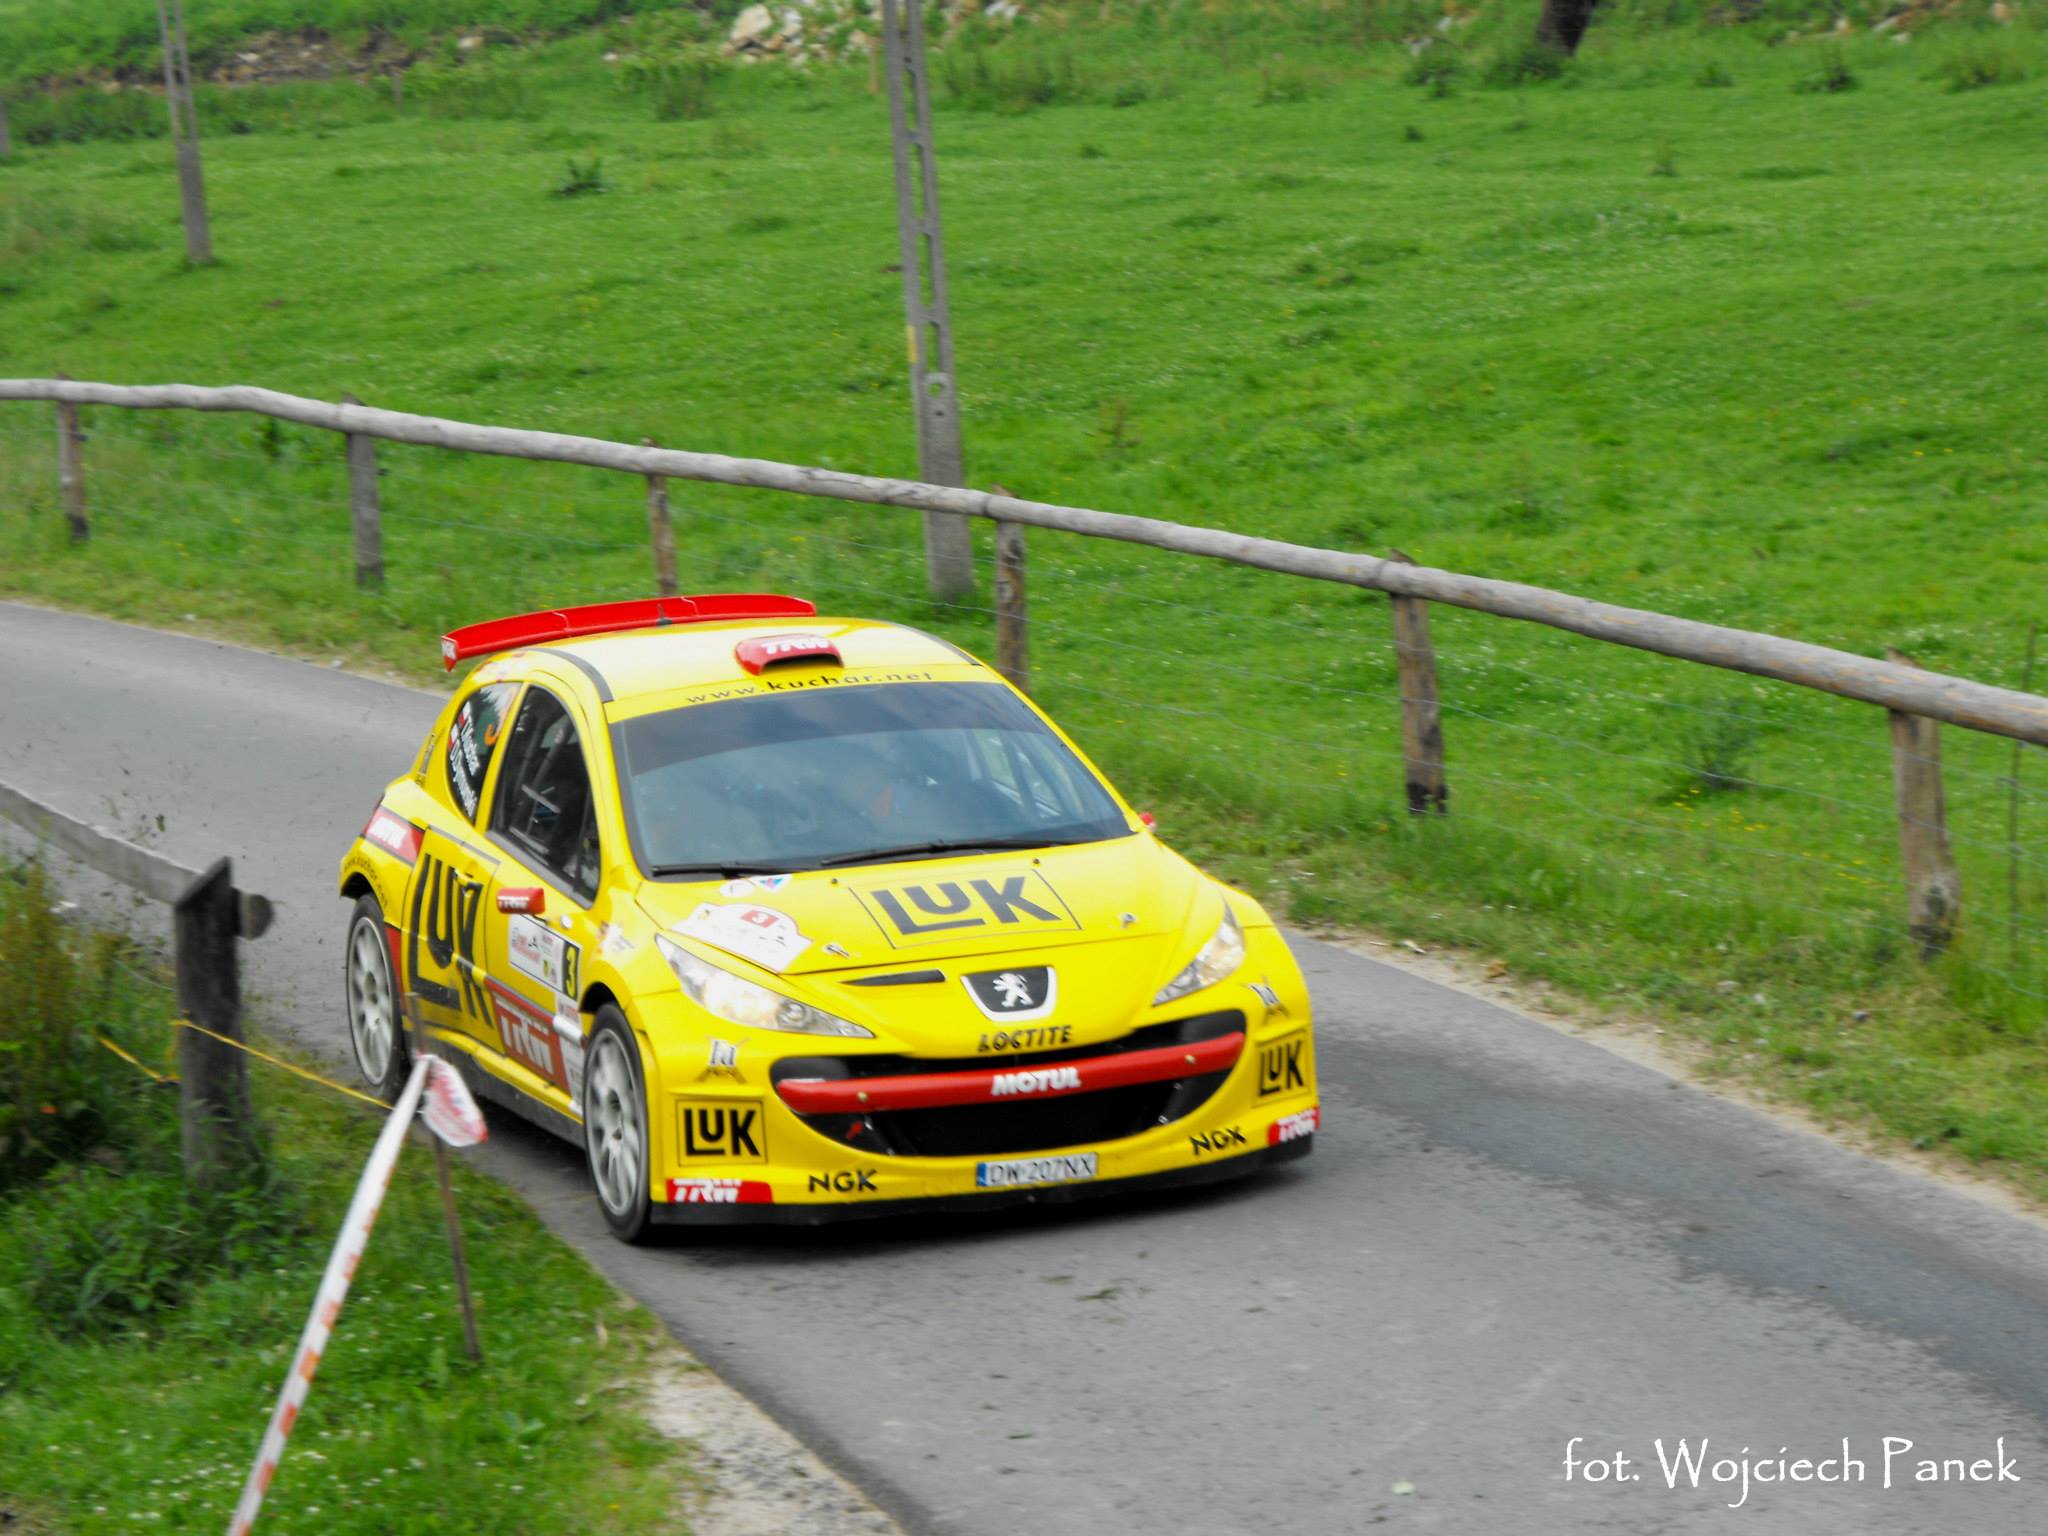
{"x": 1958, "y": 701}
{"x": 217, "y": 1128}
{"x": 1914, "y": 699}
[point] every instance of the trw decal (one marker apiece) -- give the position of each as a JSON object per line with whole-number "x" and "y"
{"x": 720, "y": 1192}
{"x": 529, "y": 1035}
{"x": 913, "y": 912}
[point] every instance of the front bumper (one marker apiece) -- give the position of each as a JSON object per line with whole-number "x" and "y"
{"x": 791, "y": 1139}
{"x": 814, "y": 1213}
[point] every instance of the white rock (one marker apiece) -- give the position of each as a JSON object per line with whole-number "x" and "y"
{"x": 470, "y": 43}
{"x": 751, "y": 25}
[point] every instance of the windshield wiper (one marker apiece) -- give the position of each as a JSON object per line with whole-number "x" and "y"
{"x": 964, "y": 845}
{"x": 728, "y": 869}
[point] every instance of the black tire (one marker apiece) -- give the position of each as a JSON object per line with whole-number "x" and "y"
{"x": 371, "y": 1000}
{"x": 616, "y": 1144}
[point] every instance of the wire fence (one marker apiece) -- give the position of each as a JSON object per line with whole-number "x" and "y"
{"x": 1728, "y": 836}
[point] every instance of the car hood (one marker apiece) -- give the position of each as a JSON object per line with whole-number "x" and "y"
{"x": 921, "y": 912}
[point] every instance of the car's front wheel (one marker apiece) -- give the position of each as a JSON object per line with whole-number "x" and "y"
{"x": 375, "y": 1019}
{"x": 615, "y": 1125}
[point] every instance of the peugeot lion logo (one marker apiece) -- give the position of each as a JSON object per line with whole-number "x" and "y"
{"x": 1022, "y": 992}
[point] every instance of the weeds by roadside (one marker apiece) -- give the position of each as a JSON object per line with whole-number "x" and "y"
{"x": 144, "y": 1328}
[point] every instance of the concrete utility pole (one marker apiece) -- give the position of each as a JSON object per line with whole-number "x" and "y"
{"x": 948, "y": 542}
{"x": 184, "y": 131}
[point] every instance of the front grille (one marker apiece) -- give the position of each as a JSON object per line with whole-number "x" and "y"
{"x": 1024, "y": 1125}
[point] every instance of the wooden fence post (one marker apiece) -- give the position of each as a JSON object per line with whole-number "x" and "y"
{"x": 365, "y": 506}
{"x": 1013, "y": 618}
{"x": 71, "y": 468}
{"x": 660, "y": 530}
{"x": 217, "y": 1129}
{"x": 1934, "y": 891}
{"x": 185, "y": 132}
{"x": 1422, "y": 728}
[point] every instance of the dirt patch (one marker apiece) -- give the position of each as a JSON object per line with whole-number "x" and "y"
{"x": 756, "y": 1479}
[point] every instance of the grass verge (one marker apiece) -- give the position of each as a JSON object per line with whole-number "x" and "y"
{"x": 145, "y": 1328}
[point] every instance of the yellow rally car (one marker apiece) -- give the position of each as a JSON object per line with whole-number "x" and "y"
{"x": 786, "y": 918}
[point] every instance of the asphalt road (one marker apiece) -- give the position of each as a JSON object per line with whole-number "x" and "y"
{"x": 1507, "y": 1237}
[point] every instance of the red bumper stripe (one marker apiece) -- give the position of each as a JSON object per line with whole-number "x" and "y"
{"x": 998, "y": 1085}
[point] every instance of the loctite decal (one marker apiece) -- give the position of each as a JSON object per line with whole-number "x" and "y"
{"x": 1293, "y": 1127}
{"x": 720, "y": 1192}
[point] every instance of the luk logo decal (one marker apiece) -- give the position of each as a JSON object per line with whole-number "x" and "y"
{"x": 448, "y": 904}
{"x": 729, "y": 1131}
{"x": 847, "y": 1181}
{"x": 933, "y": 911}
{"x": 1280, "y": 1066}
{"x": 1021, "y": 992}
{"x": 1220, "y": 1140}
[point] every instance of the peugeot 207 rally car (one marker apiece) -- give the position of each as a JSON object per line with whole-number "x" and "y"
{"x": 787, "y": 918}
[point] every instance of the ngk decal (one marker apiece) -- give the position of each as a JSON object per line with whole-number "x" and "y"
{"x": 719, "y": 1192}
{"x": 1294, "y": 1127}
{"x": 1045, "y": 1080}
{"x": 1226, "y": 1138}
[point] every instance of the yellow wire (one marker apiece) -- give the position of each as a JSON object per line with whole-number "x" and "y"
{"x": 311, "y": 1077}
{"x": 146, "y": 1071}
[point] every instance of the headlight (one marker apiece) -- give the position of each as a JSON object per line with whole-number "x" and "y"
{"x": 739, "y": 1001}
{"x": 1215, "y": 960}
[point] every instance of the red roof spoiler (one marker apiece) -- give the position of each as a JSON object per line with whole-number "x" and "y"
{"x": 605, "y": 618}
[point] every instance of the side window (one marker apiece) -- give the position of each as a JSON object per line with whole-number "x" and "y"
{"x": 473, "y": 738}
{"x": 542, "y": 808}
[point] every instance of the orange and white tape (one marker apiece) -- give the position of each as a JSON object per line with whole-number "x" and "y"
{"x": 334, "y": 1284}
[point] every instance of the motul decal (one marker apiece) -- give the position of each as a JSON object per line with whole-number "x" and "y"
{"x": 720, "y": 1192}
{"x": 933, "y": 1090}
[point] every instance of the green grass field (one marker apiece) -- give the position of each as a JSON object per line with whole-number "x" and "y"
{"x": 147, "y": 1326}
{"x": 1675, "y": 331}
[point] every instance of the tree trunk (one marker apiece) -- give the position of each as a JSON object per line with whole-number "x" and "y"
{"x": 6, "y": 140}
{"x": 1563, "y": 24}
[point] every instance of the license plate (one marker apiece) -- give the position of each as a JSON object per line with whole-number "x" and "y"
{"x": 1016, "y": 1172}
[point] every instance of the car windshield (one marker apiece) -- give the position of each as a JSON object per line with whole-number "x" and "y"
{"x": 803, "y": 780}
